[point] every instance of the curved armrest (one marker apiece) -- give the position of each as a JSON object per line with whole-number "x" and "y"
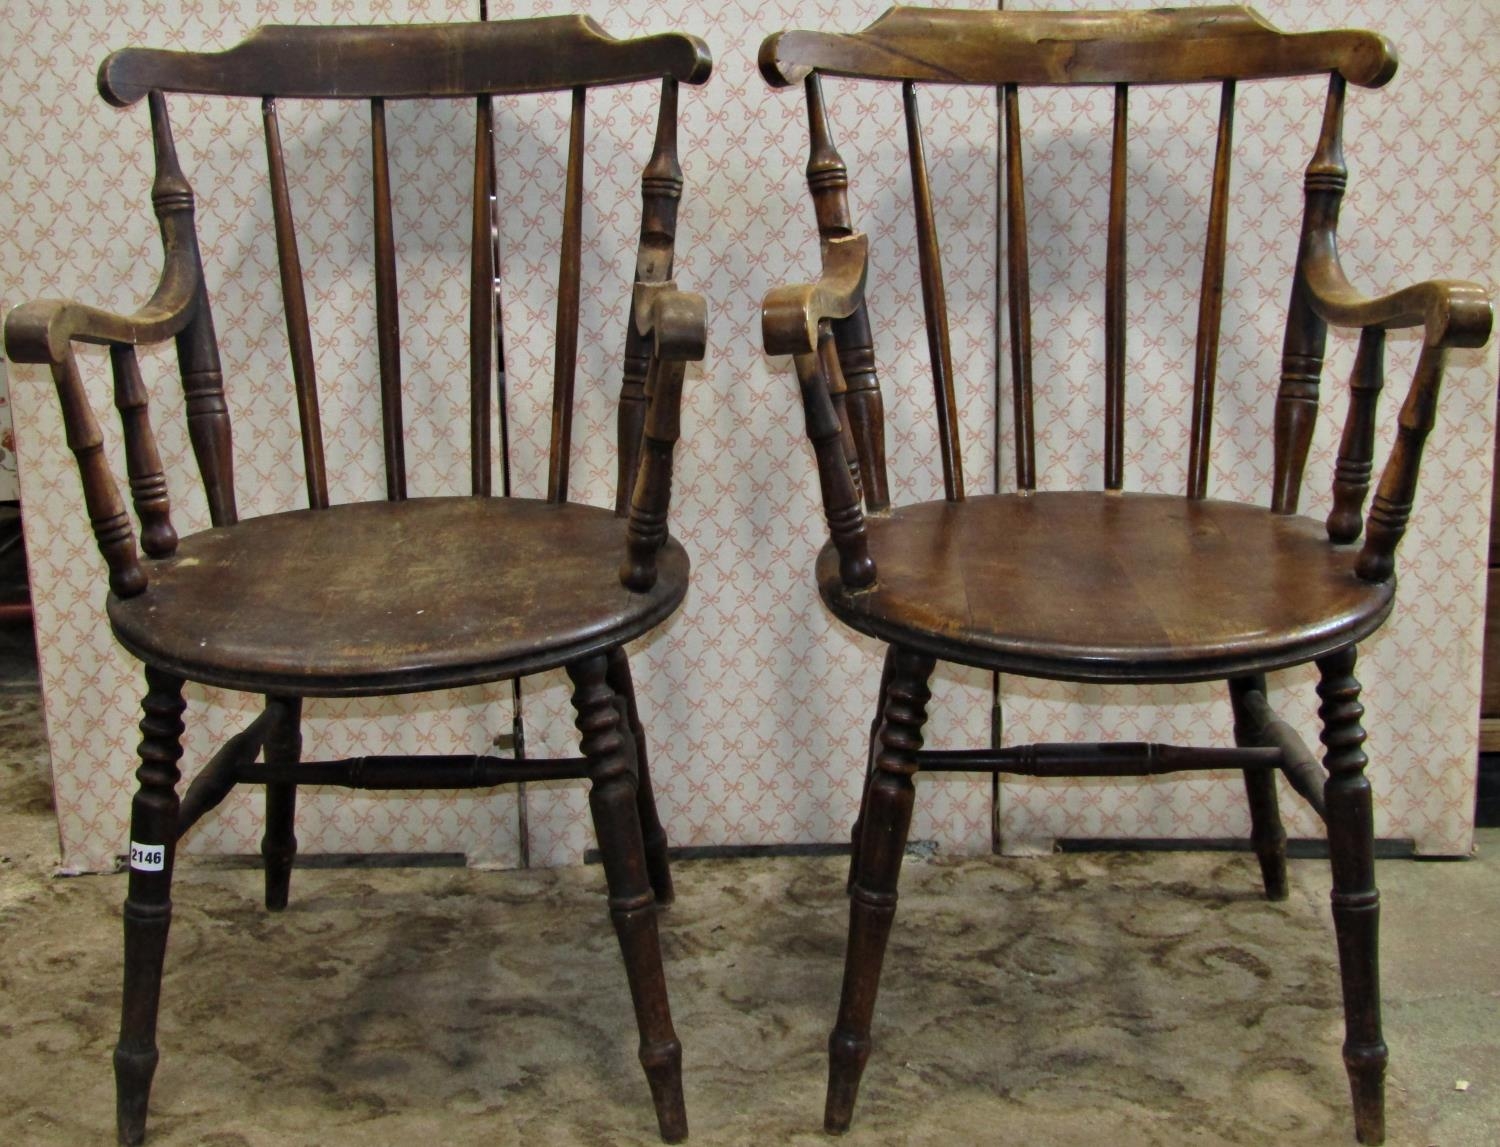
{"x": 1453, "y": 313}
{"x": 40, "y": 331}
{"x": 676, "y": 321}
{"x": 790, "y": 316}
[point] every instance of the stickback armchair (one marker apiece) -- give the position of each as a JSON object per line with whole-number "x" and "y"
{"x": 1105, "y": 585}
{"x": 412, "y": 593}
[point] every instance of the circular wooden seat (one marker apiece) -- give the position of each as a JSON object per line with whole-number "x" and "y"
{"x": 381, "y": 597}
{"x": 1108, "y": 587}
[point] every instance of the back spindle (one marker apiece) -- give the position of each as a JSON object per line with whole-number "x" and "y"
{"x": 864, "y": 409}
{"x": 1018, "y": 263}
{"x": 1211, "y": 302}
{"x": 481, "y": 302}
{"x": 1351, "y": 473}
{"x": 148, "y": 483}
{"x": 661, "y": 192}
{"x": 1306, "y": 333}
{"x": 934, "y": 302}
{"x": 387, "y": 311}
{"x": 565, "y": 355}
{"x": 1114, "y": 304}
{"x": 294, "y": 302}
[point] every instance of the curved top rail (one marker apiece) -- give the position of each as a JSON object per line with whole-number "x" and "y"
{"x": 1163, "y": 46}
{"x": 396, "y": 61}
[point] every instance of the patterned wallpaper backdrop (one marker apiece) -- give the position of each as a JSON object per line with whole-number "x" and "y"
{"x": 756, "y": 703}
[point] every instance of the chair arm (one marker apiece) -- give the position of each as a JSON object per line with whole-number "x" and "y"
{"x": 40, "y": 331}
{"x": 676, "y": 323}
{"x": 790, "y": 315}
{"x": 1453, "y": 313}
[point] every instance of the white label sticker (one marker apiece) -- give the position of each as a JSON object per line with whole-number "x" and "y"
{"x": 148, "y": 857}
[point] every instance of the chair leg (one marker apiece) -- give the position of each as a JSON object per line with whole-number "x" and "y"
{"x": 632, "y": 905}
{"x": 872, "y": 903}
{"x": 1356, "y": 902}
{"x": 660, "y": 871}
{"x": 864, "y": 795}
{"x": 1266, "y": 834}
{"x": 148, "y": 901}
{"x": 278, "y": 845}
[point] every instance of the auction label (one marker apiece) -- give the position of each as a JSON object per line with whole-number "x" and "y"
{"x": 148, "y": 857}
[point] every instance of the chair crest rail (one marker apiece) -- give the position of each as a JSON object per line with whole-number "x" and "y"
{"x": 1228, "y": 42}
{"x": 408, "y": 61}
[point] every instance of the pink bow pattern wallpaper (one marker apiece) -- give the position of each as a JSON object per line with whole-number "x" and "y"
{"x": 757, "y": 704}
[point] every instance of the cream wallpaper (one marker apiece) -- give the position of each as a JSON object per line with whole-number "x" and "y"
{"x": 756, "y": 702}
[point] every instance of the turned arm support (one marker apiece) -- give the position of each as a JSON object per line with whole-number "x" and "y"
{"x": 44, "y": 332}
{"x": 674, "y": 325}
{"x": 797, "y": 320}
{"x": 1451, "y": 314}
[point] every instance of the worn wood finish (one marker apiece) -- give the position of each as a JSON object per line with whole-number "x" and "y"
{"x": 148, "y": 484}
{"x": 294, "y": 300}
{"x": 1165, "y": 46}
{"x": 387, "y": 310}
{"x": 1356, "y": 902}
{"x": 1114, "y": 586}
{"x": 1211, "y": 302}
{"x": 1267, "y": 836}
{"x": 1086, "y": 586}
{"x": 1114, "y": 304}
{"x": 828, "y": 181}
{"x": 934, "y": 303}
{"x": 1018, "y": 304}
{"x": 482, "y": 316}
{"x": 407, "y": 594}
{"x": 610, "y": 748}
{"x": 409, "y": 61}
{"x": 565, "y": 354}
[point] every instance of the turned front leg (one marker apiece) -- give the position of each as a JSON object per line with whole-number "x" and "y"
{"x": 608, "y": 745}
{"x": 1356, "y": 902}
{"x": 148, "y": 901}
{"x": 872, "y": 900}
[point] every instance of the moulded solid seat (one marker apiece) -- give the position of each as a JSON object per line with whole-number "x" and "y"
{"x": 373, "y": 596}
{"x": 1100, "y": 586}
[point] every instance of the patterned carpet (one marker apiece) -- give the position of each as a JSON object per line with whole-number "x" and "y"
{"x": 1079, "y": 999}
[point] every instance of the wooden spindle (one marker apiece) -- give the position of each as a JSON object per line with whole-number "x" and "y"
{"x": 661, "y": 192}
{"x": 1390, "y": 509}
{"x": 565, "y": 360}
{"x": 1211, "y": 303}
{"x": 148, "y": 483}
{"x": 197, "y": 345}
{"x": 481, "y": 303}
{"x": 387, "y": 311}
{"x": 1351, "y": 473}
{"x": 838, "y": 392}
{"x": 653, "y": 488}
{"x": 846, "y": 522}
{"x": 1019, "y": 274}
{"x": 1114, "y": 304}
{"x": 107, "y": 516}
{"x": 294, "y": 302}
{"x": 864, "y": 408}
{"x": 1306, "y": 333}
{"x": 934, "y": 303}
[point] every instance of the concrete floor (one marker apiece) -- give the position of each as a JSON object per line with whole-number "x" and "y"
{"x": 1075, "y": 1000}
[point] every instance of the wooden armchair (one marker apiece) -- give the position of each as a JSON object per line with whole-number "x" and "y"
{"x": 1108, "y": 586}
{"x": 412, "y": 593}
